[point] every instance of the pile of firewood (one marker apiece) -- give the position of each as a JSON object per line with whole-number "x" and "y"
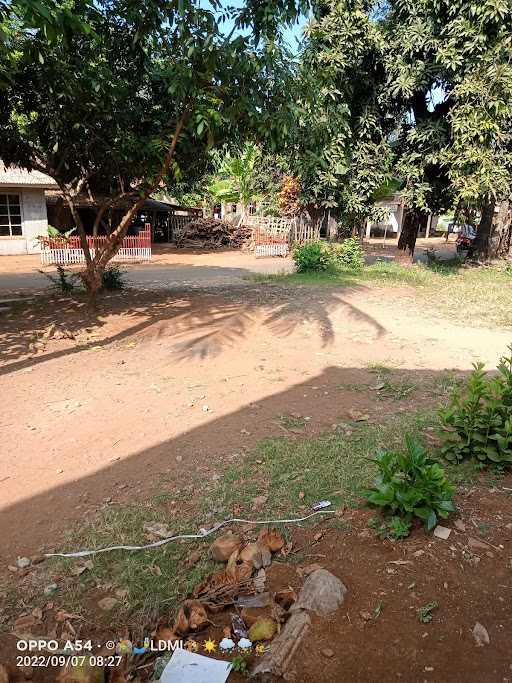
{"x": 211, "y": 233}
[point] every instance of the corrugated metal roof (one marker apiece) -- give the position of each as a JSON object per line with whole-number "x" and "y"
{"x": 14, "y": 176}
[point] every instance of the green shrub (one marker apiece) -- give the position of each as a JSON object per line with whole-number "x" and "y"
{"x": 348, "y": 254}
{"x": 478, "y": 419}
{"x": 311, "y": 256}
{"x": 112, "y": 278}
{"x": 63, "y": 281}
{"x": 411, "y": 485}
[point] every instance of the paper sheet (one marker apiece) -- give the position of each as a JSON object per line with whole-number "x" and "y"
{"x": 188, "y": 667}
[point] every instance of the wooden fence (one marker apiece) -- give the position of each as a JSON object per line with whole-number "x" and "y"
{"x": 64, "y": 251}
{"x": 274, "y": 236}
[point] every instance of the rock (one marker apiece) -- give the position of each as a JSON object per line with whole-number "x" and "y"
{"x": 475, "y": 544}
{"x": 327, "y": 652}
{"x": 224, "y": 546}
{"x": 480, "y": 635}
{"x": 321, "y": 593}
{"x": 442, "y": 532}
{"x": 23, "y": 562}
{"x": 459, "y": 525}
{"x": 155, "y": 528}
{"x": 107, "y": 604}
{"x": 418, "y": 553}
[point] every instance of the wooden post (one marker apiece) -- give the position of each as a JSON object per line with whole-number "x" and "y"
{"x": 429, "y": 223}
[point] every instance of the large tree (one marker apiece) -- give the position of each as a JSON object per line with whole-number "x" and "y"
{"x": 448, "y": 65}
{"x": 121, "y": 109}
{"x": 342, "y": 150}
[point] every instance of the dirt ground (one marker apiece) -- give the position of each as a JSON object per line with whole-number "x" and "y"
{"x": 101, "y": 407}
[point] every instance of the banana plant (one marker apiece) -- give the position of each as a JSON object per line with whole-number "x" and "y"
{"x": 236, "y": 179}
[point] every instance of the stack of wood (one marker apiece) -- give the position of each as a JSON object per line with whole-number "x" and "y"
{"x": 212, "y": 233}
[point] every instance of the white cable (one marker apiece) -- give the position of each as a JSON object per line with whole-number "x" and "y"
{"x": 203, "y": 533}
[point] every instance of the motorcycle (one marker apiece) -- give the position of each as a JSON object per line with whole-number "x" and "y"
{"x": 465, "y": 239}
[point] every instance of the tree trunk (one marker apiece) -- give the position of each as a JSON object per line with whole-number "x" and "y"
{"x": 482, "y": 245}
{"x": 412, "y": 222}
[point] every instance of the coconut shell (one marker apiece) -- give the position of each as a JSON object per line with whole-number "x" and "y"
{"x": 224, "y": 546}
{"x": 272, "y": 539}
{"x": 191, "y": 617}
{"x": 263, "y": 629}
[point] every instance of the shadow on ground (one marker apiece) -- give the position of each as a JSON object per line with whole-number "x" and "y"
{"x": 199, "y": 323}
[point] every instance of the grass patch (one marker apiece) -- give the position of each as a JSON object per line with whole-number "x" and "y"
{"x": 292, "y": 474}
{"x": 476, "y": 295}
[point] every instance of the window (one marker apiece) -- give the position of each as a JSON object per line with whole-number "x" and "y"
{"x": 233, "y": 208}
{"x": 10, "y": 215}
{"x": 252, "y": 209}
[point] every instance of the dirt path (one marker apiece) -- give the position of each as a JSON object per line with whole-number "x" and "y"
{"x": 160, "y": 382}
{"x": 169, "y": 267}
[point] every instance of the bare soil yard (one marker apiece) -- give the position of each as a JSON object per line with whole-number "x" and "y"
{"x": 158, "y": 403}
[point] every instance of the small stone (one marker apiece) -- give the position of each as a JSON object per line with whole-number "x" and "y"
{"x": 418, "y": 553}
{"x": 51, "y": 588}
{"x": 205, "y": 409}
{"x": 23, "y": 562}
{"x": 459, "y": 525}
{"x": 59, "y": 471}
{"x": 327, "y": 652}
{"x": 442, "y": 532}
{"x": 179, "y": 458}
{"x": 480, "y": 635}
{"x": 107, "y": 604}
{"x": 259, "y": 502}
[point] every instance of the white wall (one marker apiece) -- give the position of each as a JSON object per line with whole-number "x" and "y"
{"x": 34, "y": 222}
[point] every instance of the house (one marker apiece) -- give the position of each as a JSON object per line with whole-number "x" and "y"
{"x": 23, "y": 214}
{"x": 161, "y": 215}
{"x": 392, "y": 225}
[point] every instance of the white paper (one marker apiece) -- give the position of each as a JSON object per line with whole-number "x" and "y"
{"x": 188, "y": 667}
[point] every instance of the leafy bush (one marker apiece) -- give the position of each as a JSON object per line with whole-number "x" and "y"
{"x": 411, "y": 485}
{"x": 478, "y": 419}
{"x": 311, "y": 256}
{"x": 112, "y": 278}
{"x": 348, "y": 254}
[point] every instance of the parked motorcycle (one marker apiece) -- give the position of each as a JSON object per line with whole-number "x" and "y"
{"x": 465, "y": 239}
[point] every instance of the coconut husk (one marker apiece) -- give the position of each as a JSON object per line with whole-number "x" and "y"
{"x": 272, "y": 539}
{"x": 224, "y": 586}
{"x": 224, "y": 546}
{"x": 191, "y": 617}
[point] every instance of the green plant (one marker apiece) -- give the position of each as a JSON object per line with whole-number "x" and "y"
{"x": 411, "y": 485}
{"x": 478, "y": 419}
{"x": 393, "y": 527}
{"x": 113, "y": 278}
{"x": 311, "y": 256}
{"x": 63, "y": 281}
{"x": 349, "y": 254}
{"x": 424, "y": 613}
{"x": 239, "y": 664}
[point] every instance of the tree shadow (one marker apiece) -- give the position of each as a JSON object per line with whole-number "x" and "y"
{"x": 197, "y": 323}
